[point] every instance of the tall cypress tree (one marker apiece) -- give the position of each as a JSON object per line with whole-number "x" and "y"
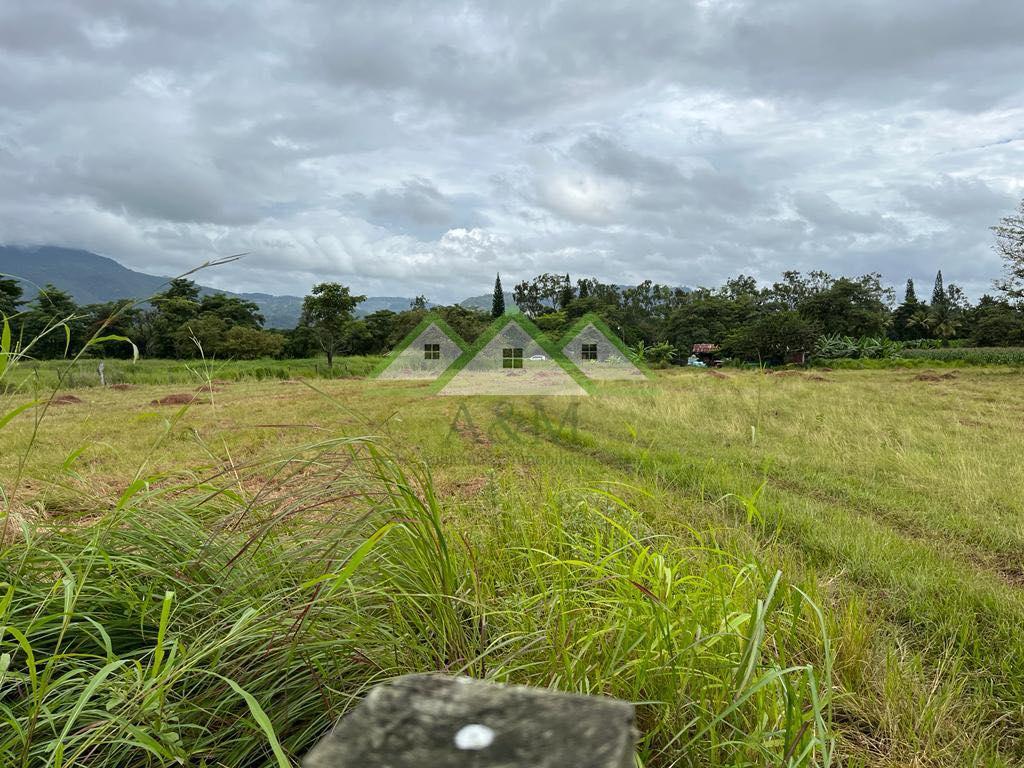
{"x": 910, "y": 297}
{"x": 908, "y": 321}
{"x": 498, "y": 303}
{"x": 939, "y": 292}
{"x": 566, "y": 295}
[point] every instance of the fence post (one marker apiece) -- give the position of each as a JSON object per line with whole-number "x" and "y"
{"x": 438, "y": 721}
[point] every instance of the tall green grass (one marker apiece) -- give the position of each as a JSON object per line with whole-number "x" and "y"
{"x": 82, "y": 372}
{"x": 229, "y": 619}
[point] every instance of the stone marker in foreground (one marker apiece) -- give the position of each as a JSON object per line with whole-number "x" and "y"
{"x": 435, "y": 721}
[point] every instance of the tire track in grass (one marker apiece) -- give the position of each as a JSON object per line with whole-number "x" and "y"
{"x": 1002, "y": 560}
{"x": 932, "y": 599}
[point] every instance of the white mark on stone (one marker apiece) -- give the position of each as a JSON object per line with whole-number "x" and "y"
{"x": 474, "y": 736}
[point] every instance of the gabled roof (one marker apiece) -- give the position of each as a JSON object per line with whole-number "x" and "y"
{"x": 431, "y": 318}
{"x": 592, "y": 319}
{"x": 535, "y": 333}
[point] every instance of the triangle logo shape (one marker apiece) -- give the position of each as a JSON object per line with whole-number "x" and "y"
{"x": 513, "y": 357}
{"x": 426, "y": 352}
{"x": 599, "y": 353}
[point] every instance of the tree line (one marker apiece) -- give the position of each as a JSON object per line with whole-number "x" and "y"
{"x": 748, "y": 321}
{"x": 181, "y": 323}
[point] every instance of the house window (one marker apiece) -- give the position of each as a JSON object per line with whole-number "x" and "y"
{"x": 431, "y": 351}
{"x": 589, "y": 352}
{"x": 512, "y": 357}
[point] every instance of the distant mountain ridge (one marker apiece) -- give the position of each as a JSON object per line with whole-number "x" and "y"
{"x": 486, "y": 301}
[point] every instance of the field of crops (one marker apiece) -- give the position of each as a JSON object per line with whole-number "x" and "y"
{"x": 802, "y": 568}
{"x": 969, "y": 355}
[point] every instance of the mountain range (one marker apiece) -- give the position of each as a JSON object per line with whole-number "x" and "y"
{"x": 91, "y": 279}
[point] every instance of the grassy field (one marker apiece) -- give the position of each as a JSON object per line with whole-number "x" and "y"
{"x": 49, "y": 374}
{"x": 798, "y": 568}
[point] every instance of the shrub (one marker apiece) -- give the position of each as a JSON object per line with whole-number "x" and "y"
{"x": 836, "y": 347}
{"x": 660, "y": 355}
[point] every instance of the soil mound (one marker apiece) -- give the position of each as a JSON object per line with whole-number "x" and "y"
{"x": 179, "y": 398}
{"x": 933, "y": 376}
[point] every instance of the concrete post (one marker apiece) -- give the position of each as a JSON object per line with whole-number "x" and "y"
{"x": 437, "y": 721}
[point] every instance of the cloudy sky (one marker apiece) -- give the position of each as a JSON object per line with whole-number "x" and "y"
{"x": 419, "y": 147}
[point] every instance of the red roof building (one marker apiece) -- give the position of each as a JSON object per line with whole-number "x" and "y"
{"x": 705, "y": 349}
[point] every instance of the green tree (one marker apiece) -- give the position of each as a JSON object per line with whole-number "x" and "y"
{"x": 944, "y": 315}
{"x": 910, "y": 295}
{"x": 420, "y": 303}
{"x": 357, "y": 339}
{"x": 943, "y": 324}
{"x": 794, "y": 288}
{"x": 232, "y": 309}
{"x": 1010, "y": 246}
{"x": 468, "y": 322}
{"x": 498, "y": 301}
{"x": 956, "y": 298}
{"x": 904, "y": 319}
{"x": 52, "y": 324}
{"x": 770, "y": 338}
{"x": 741, "y": 286}
{"x": 180, "y": 288}
{"x": 660, "y": 355}
{"x": 938, "y": 292}
{"x": 603, "y": 293}
{"x": 995, "y": 323}
{"x": 183, "y": 324}
{"x": 200, "y": 336}
{"x": 704, "y": 317}
{"x": 10, "y": 296}
{"x": 163, "y": 331}
{"x": 112, "y": 318}
{"x": 244, "y": 342}
{"x": 381, "y": 327}
{"x": 541, "y": 294}
{"x": 566, "y": 294}
{"x": 581, "y": 305}
{"x": 918, "y": 326}
{"x": 644, "y": 309}
{"x": 527, "y": 297}
{"x": 300, "y": 342}
{"x": 326, "y": 311}
{"x": 849, "y": 307}
{"x": 552, "y": 323}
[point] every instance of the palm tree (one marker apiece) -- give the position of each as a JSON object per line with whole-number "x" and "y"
{"x": 920, "y": 321}
{"x": 943, "y": 322}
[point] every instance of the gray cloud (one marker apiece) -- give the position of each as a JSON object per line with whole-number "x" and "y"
{"x": 417, "y": 207}
{"x": 414, "y": 147}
